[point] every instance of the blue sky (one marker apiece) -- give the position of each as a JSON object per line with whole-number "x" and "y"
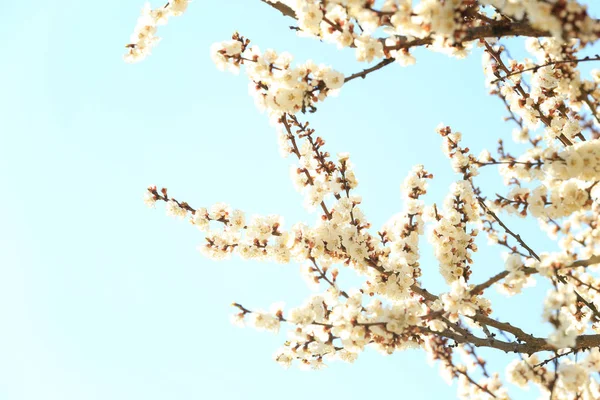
{"x": 102, "y": 298}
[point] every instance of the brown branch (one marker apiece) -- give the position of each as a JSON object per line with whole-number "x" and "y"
{"x": 498, "y": 277}
{"x": 530, "y": 271}
{"x": 535, "y": 68}
{"x": 470, "y": 349}
{"x": 363, "y": 74}
{"x": 506, "y": 327}
{"x": 555, "y": 358}
{"x": 584, "y": 284}
{"x": 286, "y": 10}
{"x": 507, "y": 347}
{"x": 531, "y": 347}
{"x": 593, "y": 110}
{"x": 507, "y": 230}
{"x": 511, "y": 163}
{"x": 476, "y": 33}
{"x": 584, "y": 263}
{"x": 296, "y": 151}
{"x": 474, "y": 382}
{"x": 324, "y": 276}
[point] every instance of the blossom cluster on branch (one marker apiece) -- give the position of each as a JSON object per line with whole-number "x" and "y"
{"x": 275, "y": 84}
{"x": 144, "y": 38}
{"x": 554, "y": 181}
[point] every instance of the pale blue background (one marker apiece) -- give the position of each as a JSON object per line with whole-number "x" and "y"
{"x": 102, "y": 298}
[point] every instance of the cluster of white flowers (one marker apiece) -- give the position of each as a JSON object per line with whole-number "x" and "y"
{"x": 560, "y": 202}
{"x": 565, "y": 177}
{"x": 580, "y": 161}
{"x": 461, "y": 160}
{"x": 517, "y": 278}
{"x": 402, "y": 232}
{"x": 548, "y": 95}
{"x": 453, "y": 241}
{"x": 260, "y": 238}
{"x": 276, "y": 85}
{"x": 556, "y": 311}
{"x": 144, "y": 38}
{"x": 314, "y": 175}
{"x": 529, "y": 369}
{"x": 570, "y": 378}
{"x": 327, "y": 328}
{"x": 459, "y": 301}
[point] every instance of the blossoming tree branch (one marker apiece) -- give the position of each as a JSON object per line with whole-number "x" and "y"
{"x": 554, "y": 110}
